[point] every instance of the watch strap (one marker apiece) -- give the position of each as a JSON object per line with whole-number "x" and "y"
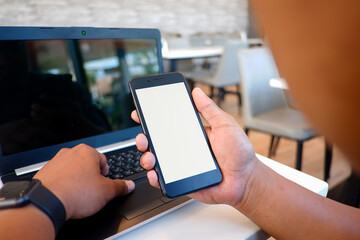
{"x": 46, "y": 201}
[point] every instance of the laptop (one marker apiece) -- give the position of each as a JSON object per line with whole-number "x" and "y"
{"x": 60, "y": 87}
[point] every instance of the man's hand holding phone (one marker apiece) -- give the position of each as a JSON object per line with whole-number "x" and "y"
{"x": 231, "y": 147}
{"x": 186, "y": 163}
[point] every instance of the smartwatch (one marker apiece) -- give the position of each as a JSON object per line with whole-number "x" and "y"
{"x": 21, "y": 193}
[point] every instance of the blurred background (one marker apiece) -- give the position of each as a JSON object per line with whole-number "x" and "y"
{"x": 187, "y": 24}
{"x": 184, "y": 17}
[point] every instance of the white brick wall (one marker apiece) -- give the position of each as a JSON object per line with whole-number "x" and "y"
{"x": 172, "y": 16}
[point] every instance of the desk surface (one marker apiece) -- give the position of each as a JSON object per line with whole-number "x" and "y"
{"x": 192, "y": 52}
{"x": 201, "y": 52}
{"x": 201, "y": 221}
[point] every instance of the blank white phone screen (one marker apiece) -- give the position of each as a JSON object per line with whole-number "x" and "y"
{"x": 175, "y": 131}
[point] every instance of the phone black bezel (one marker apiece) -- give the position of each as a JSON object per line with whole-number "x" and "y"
{"x": 187, "y": 185}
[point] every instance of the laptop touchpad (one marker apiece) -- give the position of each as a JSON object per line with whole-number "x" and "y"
{"x": 144, "y": 198}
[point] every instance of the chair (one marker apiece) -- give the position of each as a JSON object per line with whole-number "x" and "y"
{"x": 265, "y": 108}
{"x": 225, "y": 74}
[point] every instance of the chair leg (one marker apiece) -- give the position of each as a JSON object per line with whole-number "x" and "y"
{"x": 299, "y": 155}
{"x": 246, "y": 130}
{"x": 274, "y": 144}
{"x": 220, "y": 96}
{"x": 211, "y": 91}
{"x": 238, "y": 93}
{"x": 221, "y": 93}
{"x": 328, "y": 159}
{"x": 271, "y": 145}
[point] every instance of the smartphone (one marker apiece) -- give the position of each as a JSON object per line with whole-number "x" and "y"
{"x": 185, "y": 162}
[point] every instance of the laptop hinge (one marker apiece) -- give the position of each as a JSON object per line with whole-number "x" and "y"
{"x": 30, "y": 168}
{"x": 115, "y": 146}
{"x": 104, "y": 149}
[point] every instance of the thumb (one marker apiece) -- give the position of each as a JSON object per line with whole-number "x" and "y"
{"x": 122, "y": 187}
{"x": 207, "y": 107}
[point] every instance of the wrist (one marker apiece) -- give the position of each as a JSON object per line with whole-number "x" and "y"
{"x": 255, "y": 187}
{"x": 48, "y": 202}
{"x": 57, "y": 189}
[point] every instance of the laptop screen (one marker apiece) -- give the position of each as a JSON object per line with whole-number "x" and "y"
{"x": 67, "y": 90}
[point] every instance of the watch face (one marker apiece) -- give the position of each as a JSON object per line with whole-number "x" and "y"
{"x": 13, "y": 190}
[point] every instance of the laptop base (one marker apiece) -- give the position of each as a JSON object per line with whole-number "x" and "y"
{"x": 121, "y": 214}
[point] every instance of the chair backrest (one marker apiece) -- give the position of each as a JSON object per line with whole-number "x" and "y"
{"x": 227, "y": 71}
{"x": 257, "y": 67}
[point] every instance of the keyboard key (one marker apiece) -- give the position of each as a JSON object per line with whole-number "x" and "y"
{"x": 119, "y": 164}
{"x": 117, "y": 176}
{"x": 128, "y": 172}
{"x": 125, "y": 164}
{"x": 127, "y": 167}
{"x": 116, "y": 169}
{"x": 138, "y": 169}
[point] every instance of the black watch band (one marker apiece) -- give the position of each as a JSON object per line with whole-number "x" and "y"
{"x": 46, "y": 201}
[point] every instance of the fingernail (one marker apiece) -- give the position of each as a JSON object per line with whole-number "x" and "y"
{"x": 130, "y": 185}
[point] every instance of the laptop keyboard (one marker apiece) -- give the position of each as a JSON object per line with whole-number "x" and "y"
{"x": 125, "y": 164}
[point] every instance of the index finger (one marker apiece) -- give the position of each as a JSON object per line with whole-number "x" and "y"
{"x": 93, "y": 153}
{"x": 135, "y": 116}
{"x": 104, "y": 167}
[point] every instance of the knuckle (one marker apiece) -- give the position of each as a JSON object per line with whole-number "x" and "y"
{"x": 228, "y": 120}
{"x": 82, "y": 145}
{"x": 63, "y": 150}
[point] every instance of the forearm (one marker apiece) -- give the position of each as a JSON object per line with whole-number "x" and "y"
{"x": 27, "y": 222}
{"x": 288, "y": 211}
